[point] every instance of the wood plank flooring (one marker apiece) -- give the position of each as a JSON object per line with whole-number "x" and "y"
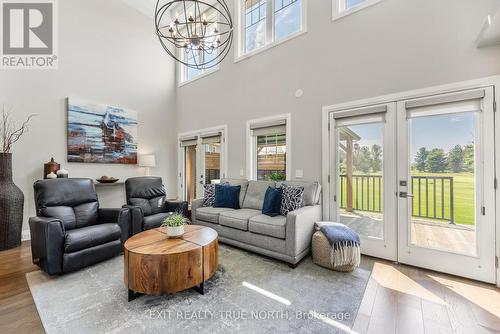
{"x": 18, "y": 314}
{"x": 398, "y": 299}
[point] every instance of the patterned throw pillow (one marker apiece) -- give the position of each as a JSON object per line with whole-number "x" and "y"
{"x": 209, "y": 197}
{"x": 292, "y": 199}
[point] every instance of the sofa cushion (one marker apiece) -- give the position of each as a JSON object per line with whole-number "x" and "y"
{"x": 209, "y": 196}
{"x": 210, "y": 214}
{"x": 155, "y": 220}
{"x": 312, "y": 190}
{"x": 272, "y": 202}
{"x": 238, "y": 218}
{"x": 90, "y": 236}
{"x": 227, "y": 196}
{"x": 238, "y": 182}
{"x": 256, "y": 191}
{"x": 270, "y": 226}
{"x": 291, "y": 199}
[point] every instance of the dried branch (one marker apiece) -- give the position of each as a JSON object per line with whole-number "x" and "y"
{"x": 9, "y": 133}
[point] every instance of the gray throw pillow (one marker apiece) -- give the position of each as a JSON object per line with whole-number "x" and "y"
{"x": 209, "y": 197}
{"x": 292, "y": 199}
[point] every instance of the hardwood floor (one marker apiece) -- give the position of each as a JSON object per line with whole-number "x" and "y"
{"x": 398, "y": 299}
{"x": 405, "y": 299}
{"x": 18, "y": 313}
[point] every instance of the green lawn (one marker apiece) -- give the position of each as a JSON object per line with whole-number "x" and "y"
{"x": 368, "y": 196}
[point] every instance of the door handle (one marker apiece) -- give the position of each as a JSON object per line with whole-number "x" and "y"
{"x": 404, "y": 194}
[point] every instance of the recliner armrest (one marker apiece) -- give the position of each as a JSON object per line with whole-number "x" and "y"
{"x": 180, "y": 207}
{"x": 120, "y": 216}
{"x": 136, "y": 218}
{"x": 300, "y": 228}
{"x": 47, "y": 243}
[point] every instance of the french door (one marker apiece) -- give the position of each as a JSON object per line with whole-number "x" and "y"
{"x": 202, "y": 162}
{"x": 363, "y": 162}
{"x": 415, "y": 178}
{"x": 446, "y": 183}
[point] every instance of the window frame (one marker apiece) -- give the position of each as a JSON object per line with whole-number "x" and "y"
{"x": 339, "y": 11}
{"x": 241, "y": 53}
{"x": 252, "y": 144}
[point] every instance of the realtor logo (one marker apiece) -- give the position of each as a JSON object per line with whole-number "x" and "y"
{"x": 28, "y": 34}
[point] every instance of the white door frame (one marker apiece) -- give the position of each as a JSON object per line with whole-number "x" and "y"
{"x": 411, "y": 94}
{"x": 180, "y": 155}
{"x": 386, "y": 247}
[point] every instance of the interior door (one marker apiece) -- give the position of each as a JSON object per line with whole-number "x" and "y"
{"x": 446, "y": 183}
{"x": 362, "y": 144}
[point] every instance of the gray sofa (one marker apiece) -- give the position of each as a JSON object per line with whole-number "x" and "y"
{"x": 283, "y": 238}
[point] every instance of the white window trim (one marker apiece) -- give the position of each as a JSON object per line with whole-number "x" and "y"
{"x": 251, "y": 144}
{"x": 338, "y": 13}
{"x": 181, "y": 74}
{"x": 180, "y": 153}
{"x": 240, "y": 54}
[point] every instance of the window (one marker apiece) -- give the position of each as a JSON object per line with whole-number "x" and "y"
{"x": 192, "y": 56}
{"x": 268, "y": 149}
{"x": 271, "y": 156}
{"x": 265, "y": 22}
{"x": 342, "y": 8}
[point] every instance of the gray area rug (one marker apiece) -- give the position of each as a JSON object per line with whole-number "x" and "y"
{"x": 248, "y": 294}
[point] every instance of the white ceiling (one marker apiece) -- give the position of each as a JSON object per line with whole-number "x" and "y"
{"x": 147, "y": 7}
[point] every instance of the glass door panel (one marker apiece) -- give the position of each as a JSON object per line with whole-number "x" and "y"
{"x": 360, "y": 176}
{"x": 211, "y": 163}
{"x": 443, "y": 172}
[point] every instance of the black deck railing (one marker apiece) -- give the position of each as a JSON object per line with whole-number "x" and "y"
{"x": 366, "y": 192}
{"x": 432, "y": 195}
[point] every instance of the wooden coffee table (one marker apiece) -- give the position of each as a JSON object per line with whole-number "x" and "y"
{"x": 156, "y": 265}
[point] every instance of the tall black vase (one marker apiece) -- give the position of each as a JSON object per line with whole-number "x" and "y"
{"x": 11, "y": 206}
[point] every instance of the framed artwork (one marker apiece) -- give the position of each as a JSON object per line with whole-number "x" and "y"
{"x": 99, "y": 133}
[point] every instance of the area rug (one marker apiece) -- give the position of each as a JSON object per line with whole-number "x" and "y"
{"x": 248, "y": 294}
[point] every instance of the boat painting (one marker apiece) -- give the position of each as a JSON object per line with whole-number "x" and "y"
{"x": 100, "y": 133}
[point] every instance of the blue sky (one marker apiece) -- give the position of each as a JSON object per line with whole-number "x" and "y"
{"x": 443, "y": 132}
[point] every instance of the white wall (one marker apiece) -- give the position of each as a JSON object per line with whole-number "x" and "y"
{"x": 108, "y": 53}
{"x": 394, "y": 46}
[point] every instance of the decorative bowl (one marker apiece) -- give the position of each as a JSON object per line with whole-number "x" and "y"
{"x": 108, "y": 180}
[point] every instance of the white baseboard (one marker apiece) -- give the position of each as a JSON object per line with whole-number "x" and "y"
{"x": 25, "y": 235}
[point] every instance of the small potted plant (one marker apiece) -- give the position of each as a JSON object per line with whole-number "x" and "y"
{"x": 175, "y": 225}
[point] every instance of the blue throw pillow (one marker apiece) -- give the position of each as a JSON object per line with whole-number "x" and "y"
{"x": 272, "y": 202}
{"x": 227, "y": 196}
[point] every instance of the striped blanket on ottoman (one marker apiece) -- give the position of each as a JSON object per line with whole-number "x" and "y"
{"x": 336, "y": 246}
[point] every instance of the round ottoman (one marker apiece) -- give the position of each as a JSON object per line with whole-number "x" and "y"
{"x": 324, "y": 255}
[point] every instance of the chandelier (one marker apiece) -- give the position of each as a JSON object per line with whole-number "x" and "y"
{"x": 196, "y": 33}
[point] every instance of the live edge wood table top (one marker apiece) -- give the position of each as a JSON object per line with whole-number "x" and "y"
{"x": 156, "y": 264}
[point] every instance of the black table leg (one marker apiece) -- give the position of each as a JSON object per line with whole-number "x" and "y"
{"x": 133, "y": 295}
{"x": 199, "y": 288}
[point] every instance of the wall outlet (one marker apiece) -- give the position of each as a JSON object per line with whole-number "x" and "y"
{"x": 299, "y": 174}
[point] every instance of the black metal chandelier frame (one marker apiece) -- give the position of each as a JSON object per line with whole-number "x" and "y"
{"x": 192, "y": 32}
